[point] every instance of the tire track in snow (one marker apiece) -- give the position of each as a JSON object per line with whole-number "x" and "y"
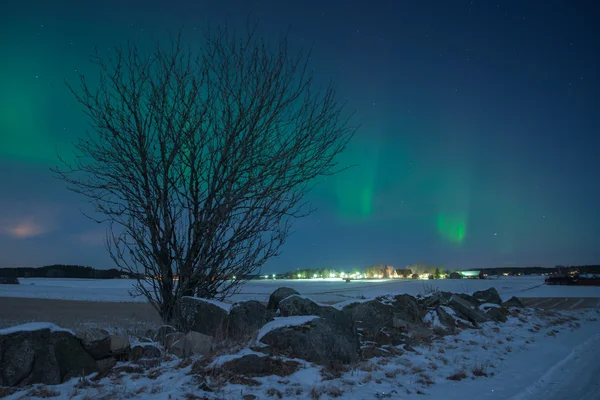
{"x": 573, "y": 378}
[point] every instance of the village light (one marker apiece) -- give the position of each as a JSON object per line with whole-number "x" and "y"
{"x": 332, "y": 275}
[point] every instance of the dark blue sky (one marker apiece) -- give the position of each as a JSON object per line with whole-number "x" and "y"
{"x": 478, "y": 144}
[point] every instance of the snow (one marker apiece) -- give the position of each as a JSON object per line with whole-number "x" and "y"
{"x": 319, "y": 290}
{"x": 343, "y": 304}
{"x": 432, "y": 318}
{"x": 282, "y": 322}
{"x": 228, "y": 357}
{"x": 220, "y": 304}
{"x": 489, "y": 305}
{"x": 34, "y": 326}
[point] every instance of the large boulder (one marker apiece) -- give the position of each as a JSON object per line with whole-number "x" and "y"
{"x": 296, "y": 305}
{"x": 191, "y": 344}
{"x": 490, "y": 295}
{"x": 41, "y": 353}
{"x": 319, "y": 341}
{"x": 467, "y": 310}
{"x": 473, "y": 302}
{"x": 370, "y": 317}
{"x": 513, "y": 302}
{"x": 279, "y": 295}
{"x": 96, "y": 342}
{"x": 408, "y": 308}
{"x": 246, "y": 318}
{"x": 204, "y": 316}
{"x": 161, "y": 334}
{"x": 496, "y": 314}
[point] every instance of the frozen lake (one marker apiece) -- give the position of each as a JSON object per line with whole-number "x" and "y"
{"x": 321, "y": 290}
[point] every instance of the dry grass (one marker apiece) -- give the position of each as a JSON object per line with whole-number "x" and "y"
{"x": 416, "y": 369}
{"x": 192, "y": 396}
{"x": 458, "y": 375}
{"x": 43, "y": 392}
{"x": 392, "y": 374}
{"x": 479, "y": 370}
{"x": 186, "y": 362}
{"x": 272, "y": 392}
{"x": 6, "y": 391}
{"x": 425, "y": 379}
{"x": 334, "y": 391}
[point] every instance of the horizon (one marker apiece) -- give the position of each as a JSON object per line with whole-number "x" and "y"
{"x": 478, "y": 140}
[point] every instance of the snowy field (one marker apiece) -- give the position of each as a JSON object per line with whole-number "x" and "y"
{"x": 321, "y": 290}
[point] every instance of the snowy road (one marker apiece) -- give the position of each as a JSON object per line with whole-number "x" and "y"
{"x": 554, "y": 368}
{"x": 576, "y": 377}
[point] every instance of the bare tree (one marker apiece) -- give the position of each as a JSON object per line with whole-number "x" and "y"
{"x": 200, "y": 160}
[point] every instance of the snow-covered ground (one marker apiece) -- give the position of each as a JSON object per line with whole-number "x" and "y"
{"x": 321, "y": 290}
{"x": 535, "y": 355}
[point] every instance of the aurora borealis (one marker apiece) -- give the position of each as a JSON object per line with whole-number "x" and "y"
{"x": 478, "y": 142}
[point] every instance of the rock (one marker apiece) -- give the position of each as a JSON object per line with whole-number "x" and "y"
{"x": 106, "y": 364}
{"x": 204, "y": 317}
{"x": 96, "y": 342}
{"x": 495, "y": 314}
{"x": 192, "y": 344}
{"x": 490, "y": 295}
{"x": 513, "y": 302}
{"x": 468, "y": 298}
{"x": 144, "y": 351}
{"x": 446, "y": 319}
{"x": 370, "y": 317}
{"x": 436, "y": 299}
{"x": 295, "y": 305}
{"x": 45, "y": 355}
{"x": 408, "y": 308}
{"x": 279, "y": 295}
{"x": 319, "y": 341}
{"x": 252, "y": 365}
{"x": 119, "y": 347}
{"x": 467, "y": 310}
{"x": 161, "y": 334}
{"x": 249, "y": 397}
{"x": 246, "y": 318}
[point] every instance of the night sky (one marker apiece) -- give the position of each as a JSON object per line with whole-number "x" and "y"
{"x": 479, "y": 141}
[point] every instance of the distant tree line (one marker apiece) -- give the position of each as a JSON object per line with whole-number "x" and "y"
{"x": 62, "y": 271}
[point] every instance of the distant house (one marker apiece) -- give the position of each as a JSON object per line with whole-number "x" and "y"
{"x": 455, "y": 275}
{"x": 9, "y": 280}
{"x": 124, "y": 276}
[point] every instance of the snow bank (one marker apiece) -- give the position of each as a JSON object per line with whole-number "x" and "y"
{"x": 341, "y": 305}
{"x": 34, "y": 326}
{"x": 283, "y": 322}
{"x": 489, "y": 305}
{"x": 220, "y": 304}
{"x": 228, "y": 357}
